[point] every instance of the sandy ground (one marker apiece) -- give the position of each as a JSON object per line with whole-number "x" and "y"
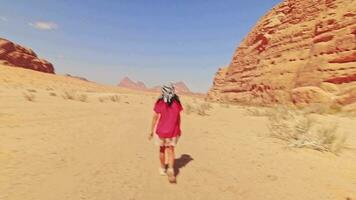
{"x": 56, "y": 148}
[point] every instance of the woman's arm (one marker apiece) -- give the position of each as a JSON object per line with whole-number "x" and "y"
{"x": 153, "y": 126}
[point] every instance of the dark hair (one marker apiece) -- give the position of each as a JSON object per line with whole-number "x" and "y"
{"x": 174, "y": 98}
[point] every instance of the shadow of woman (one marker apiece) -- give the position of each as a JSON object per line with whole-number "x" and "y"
{"x": 181, "y": 162}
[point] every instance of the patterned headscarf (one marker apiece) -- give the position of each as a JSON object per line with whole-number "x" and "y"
{"x": 168, "y": 92}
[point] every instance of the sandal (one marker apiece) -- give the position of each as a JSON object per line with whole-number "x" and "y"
{"x": 162, "y": 171}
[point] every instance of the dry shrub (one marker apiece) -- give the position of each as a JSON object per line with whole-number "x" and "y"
{"x": 31, "y": 90}
{"x": 82, "y": 97}
{"x": 259, "y": 112}
{"x": 206, "y": 106}
{"x": 198, "y": 108}
{"x": 225, "y": 105}
{"x": 301, "y": 131}
{"x": 53, "y": 94}
{"x": 72, "y": 95}
{"x": 188, "y": 108}
{"x": 29, "y": 96}
{"x": 112, "y": 98}
{"x": 201, "y": 110}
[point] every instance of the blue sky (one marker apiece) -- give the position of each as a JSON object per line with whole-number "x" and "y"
{"x": 153, "y": 41}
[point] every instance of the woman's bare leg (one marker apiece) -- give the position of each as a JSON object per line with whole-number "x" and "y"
{"x": 170, "y": 171}
{"x": 171, "y": 157}
{"x": 162, "y": 156}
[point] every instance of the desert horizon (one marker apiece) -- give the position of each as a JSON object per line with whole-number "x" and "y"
{"x": 89, "y": 119}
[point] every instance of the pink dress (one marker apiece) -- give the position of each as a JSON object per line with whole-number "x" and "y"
{"x": 168, "y": 127}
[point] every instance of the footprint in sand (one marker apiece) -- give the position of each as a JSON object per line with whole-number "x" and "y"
{"x": 272, "y": 177}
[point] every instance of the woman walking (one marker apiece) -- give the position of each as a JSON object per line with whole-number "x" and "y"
{"x": 166, "y": 128}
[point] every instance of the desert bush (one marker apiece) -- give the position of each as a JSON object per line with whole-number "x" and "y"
{"x": 82, "y": 97}
{"x": 29, "y": 96}
{"x": 201, "y": 110}
{"x": 69, "y": 95}
{"x": 73, "y": 95}
{"x": 101, "y": 99}
{"x": 206, "y": 106}
{"x": 224, "y": 105}
{"x": 188, "y": 109}
{"x": 253, "y": 111}
{"x": 301, "y": 131}
{"x": 53, "y": 94}
{"x": 31, "y": 90}
{"x": 198, "y": 108}
{"x": 114, "y": 98}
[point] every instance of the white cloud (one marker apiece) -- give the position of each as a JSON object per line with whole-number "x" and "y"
{"x": 4, "y": 19}
{"x": 42, "y": 25}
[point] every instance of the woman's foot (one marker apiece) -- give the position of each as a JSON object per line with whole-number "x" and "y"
{"x": 171, "y": 176}
{"x": 162, "y": 171}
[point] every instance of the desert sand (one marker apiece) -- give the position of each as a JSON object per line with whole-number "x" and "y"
{"x": 95, "y": 147}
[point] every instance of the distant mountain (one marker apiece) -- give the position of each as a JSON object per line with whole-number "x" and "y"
{"x": 180, "y": 87}
{"x": 128, "y": 83}
{"x": 156, "y": 88}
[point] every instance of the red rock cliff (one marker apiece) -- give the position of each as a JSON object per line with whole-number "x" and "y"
{"x": 16, "y": 55}
{"x": 299, "y": 48}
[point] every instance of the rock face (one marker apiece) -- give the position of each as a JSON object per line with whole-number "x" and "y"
{"x": 18, "y": 56}
{"x": 218, "y": 84}
{"x": 290, "y": 55}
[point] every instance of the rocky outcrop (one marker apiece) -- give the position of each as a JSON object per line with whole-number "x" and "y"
{"x": 77, "y": 77}
{"x": 291, "y": 52}
{"x": 19, "y": 56}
